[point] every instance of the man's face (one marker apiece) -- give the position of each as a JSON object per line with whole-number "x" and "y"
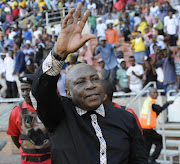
{"x": 84, "y": 87}
{"x": 153, "y": 93}
{"x": 25, "y": 89}
{"x": 132, "y": 62}
{"x": 123, "y": 64}
{"x": 102, "y": 43}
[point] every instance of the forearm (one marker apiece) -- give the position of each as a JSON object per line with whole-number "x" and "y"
{"x": 158, "y": 109}
{"x": 15, "y": 141}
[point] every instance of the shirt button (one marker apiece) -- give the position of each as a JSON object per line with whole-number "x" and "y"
{"x": 94, "y": 122}
{"x": 102, "y": 153}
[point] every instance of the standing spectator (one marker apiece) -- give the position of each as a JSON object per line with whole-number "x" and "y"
{"x": 149, "y": 18}
{"x": 8, "y": 17}
{"x": 15, "y": 13}
{"x": 92, "y": 7}
{"x": 9, "y": 64}
{"x": 27, "y": 50}
{"x": 30, "y": 65}
{"x": 110, "y": 61}
{"x": 3, "y": 88}
{"x": 139, "y": 48}
{"x": 39, "y": 48}
{"x": 169, "y": 69}
{"x": 153, "y": 9}
{"x": 109, "y": 20}
{"x": 92, "y": 22}
{"x": 27, "y": 35}
{"x": 121, "y": 76}
{"x": 100, "y": 28}
{"x": 161, "y": 14}
{"x": 111, "y": 35}
{"x": 20, "y": 65}
{"x": 42, "y": 5}
{"x": 171, "y": 29}
{"x": 135, "y": 73}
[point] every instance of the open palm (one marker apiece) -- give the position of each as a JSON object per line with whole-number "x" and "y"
{"x": 70, "y": 38}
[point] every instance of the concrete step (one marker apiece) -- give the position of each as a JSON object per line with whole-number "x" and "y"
{"x": 163, "y": 162}
{"x": 169, "y": 126}
{"x": 175, "y": 143}
{"x": 168, "y": 152}
{"x": 170, "y": 133}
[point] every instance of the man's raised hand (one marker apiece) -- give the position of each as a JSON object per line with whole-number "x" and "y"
{"x": 70, "y": 38}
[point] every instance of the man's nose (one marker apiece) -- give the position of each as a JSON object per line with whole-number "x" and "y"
{"x": 90, "y": 85}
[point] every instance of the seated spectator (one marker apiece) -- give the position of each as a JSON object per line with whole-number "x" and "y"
{"x": 100, "y": 28}
{"x": 142, "y": 25}
{"x": 92, "y": 7}
{"x": 135, "y": 73}
{"x": 121, "y": 76}
{"x": 28, "y": 49}
{"x": 92, "y": 22}
{"x": 15, "y": 12}
{"x": 109, "y": 20}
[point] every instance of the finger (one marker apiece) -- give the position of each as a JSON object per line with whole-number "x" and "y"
{"x": 77, "y": 14}
{"x": 86, "y": 37}
{"x": 84, "y": 19}
{"x": 69, "y": 16}
{"x": 70, "y": 21}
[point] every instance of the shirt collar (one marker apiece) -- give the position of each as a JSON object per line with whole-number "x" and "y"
{"x": 100, "y": 110}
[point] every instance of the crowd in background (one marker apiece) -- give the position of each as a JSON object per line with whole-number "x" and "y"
{"x": 150, "y": 27}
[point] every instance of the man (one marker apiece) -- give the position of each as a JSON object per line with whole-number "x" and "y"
{"x": 171, "y": 29}
{"x": 111, "y": 35}
{"x": 27, "y": 131}
{"x": 100, "y": 28}
{"x": 110, "y": 61}
{"x": 135, "y": 73}
{"x": 148, "y": 116}
{"x": 20, "y": 65}
{"x": 3, "y": 88}
{"x": 121, "y": 76}
{"x": 81, "y": 127}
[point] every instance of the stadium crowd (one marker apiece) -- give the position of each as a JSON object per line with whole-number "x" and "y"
{"x": 150, "y": 27}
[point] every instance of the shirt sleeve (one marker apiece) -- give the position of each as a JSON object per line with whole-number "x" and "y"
{"x": 158, "y": 109}
{"x": 14, "y": 124}
{"x": 51, "y": 66}
{"x": 97, "y": 51}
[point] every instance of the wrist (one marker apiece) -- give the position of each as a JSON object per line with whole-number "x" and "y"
{"x": 58, "y": 56}
{"x": 60, "y": 53}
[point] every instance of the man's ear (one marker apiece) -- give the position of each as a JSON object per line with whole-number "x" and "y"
{"x": 68, "y": 93}
{"x": 105, "y": 97}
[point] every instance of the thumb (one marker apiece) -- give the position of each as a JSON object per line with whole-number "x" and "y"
{"x": 87, "y": 37}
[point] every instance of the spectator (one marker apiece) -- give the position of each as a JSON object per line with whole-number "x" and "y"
{"x": 178, "y": 73}
{"x": 9, "y": 64}
{"x": 27, "y": 50}
{"x": 149, "y": 18}
{"x": 27, "y": 35}
{"x": 110, "y": 61}
{"x": 61, "y": 84}
{"x": 139, "y": 48}
{"x": 100, "y": 28}
{"x": 109, "y": 20}
{"x": 171, "y": 29}
{"x": 15, "y": 12}
{"x": 92, "y": 7}
{"x": 135, "y": 73}
{"x": 30, "y": 65}
{"x": 121, "y": 76}
{"x": 92, "y": 22}
{"x": 39, "y": 47}
{"x": 20, "y": 65}
{"x": 111, "y": 35}
{"x": 161, "y": 14}
{"x": 42, "y": 5}
{"x": 169, "y": 69}
{"x": 3, "y": 87}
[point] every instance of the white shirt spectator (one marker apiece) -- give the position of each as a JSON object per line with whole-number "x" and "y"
{"x": 101, "y": 29}
{"x": 2, "y": 70}
{"x": 160, "y": 74}
{"x": 171, "y": 25}
{"x": 135, "y": 82}
{"x": 153, "y": 10}
{"x": 160, "y": 42}
{"x": 9, "y": 69}
{"x": 92, "y": 8}
{"x": 109, "y": 21}
{"x": 137, "y": 19}
{"x": 54, "y": 4}
{"x": 7, "y": 9}
{"x": 12, "y": 34}
{"x": 36, "y": 34}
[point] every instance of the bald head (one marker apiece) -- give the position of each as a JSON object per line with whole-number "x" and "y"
{"x": 76, "y": 71}
{"x": 153, "y": 93}
{"x": 84, "y": 87}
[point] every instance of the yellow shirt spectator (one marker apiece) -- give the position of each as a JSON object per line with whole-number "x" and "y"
{"x": 139, "y": 45}
{"x": 22, "y": 3}
{"x": 142, "y": 25}
{"x": 41, "y": 5}
{"x": 13, "y": 4}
